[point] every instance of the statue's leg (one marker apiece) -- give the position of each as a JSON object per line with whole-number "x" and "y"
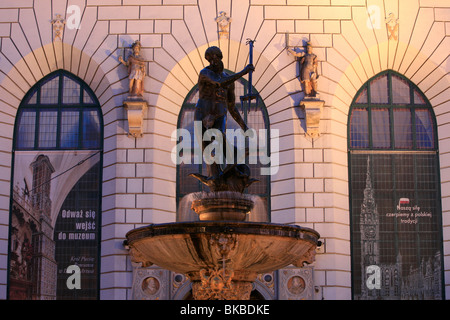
{"x": 314, "y": 86}
{"x": 139, "y": 88}
{"x": 307, "y": 84}
{"x": 131, "y": 86}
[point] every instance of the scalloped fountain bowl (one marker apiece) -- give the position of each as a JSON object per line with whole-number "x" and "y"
{"x": 222, "y": 258}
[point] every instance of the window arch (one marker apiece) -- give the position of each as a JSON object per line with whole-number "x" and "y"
{"x": 56, "y": 191}
{"x": 59, "y": 112}
{"x": 256, "y": 117}
{"x": 394, "y": 183}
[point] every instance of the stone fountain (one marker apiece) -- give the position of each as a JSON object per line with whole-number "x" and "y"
{"x": 221, "y": 253}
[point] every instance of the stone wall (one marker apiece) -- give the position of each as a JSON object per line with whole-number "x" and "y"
{"x": 311, "y": 187}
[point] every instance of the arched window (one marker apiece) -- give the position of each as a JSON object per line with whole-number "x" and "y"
{"x": 256, "y": 117}
{"x": 55, "y": 207}
{"x": 59, "y": 112}
{"x": 394, "y": 183}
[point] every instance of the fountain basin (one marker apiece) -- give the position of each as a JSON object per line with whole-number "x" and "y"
{"x": 222, "y": 258}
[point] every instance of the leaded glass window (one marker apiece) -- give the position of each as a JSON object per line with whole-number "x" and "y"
{"x": 405, "y": 124}
{"x": 395, "y": 205}
{"x": 58, "y": 113}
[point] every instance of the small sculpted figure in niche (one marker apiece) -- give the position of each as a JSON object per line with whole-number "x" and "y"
{"x": 224, "y": 24}
{"x": 136, "y": 70}
{"x": 216, "y": 97}
{"x": 308, "y": 71}
{"x": 58, "y": 27}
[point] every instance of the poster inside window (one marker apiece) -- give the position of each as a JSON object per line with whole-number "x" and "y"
{"x": 55, "y": 222}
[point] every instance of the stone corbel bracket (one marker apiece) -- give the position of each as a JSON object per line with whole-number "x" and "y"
{"x": 135, "y": 110}
{"x": 313, "y": 112}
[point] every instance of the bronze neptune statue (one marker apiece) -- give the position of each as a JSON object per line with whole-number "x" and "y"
{"x": 216, "y": 97}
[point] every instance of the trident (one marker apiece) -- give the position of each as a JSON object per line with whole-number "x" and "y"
{"x": 249, "y": 96}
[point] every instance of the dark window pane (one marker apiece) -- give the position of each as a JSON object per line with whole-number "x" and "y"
{"x": 359, "y": 128}
{"x": 26, "y": 132}
{"x": 87, "y": 98}
{"x": 418, "y": 98}
{"x": 91, "y": 129}
{"x": 403, "y": 129}
{"x": 400, "y": 91}
{"x": 362, "y": 97}
{"x": 424, "y": 129}
{"x": 239, "y": 91}
{"x": 49, "y": 91}
{"x": 47, "y": 129}
{"x": 71, "y": 91}
{"x": 70, "y": 124}
{"x": 381, "y": 134}
{"x": 379, "y": 90}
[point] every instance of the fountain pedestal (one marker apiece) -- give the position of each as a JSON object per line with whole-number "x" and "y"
{"x": 222, "y": 258}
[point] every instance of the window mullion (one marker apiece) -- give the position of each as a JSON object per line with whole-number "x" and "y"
{"x": 60, "y": 90}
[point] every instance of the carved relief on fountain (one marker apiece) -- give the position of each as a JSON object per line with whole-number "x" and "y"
{"x": 217, "y": 284}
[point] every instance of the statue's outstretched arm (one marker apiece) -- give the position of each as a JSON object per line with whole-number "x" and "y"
{"x": 295, "y": 53}
{"x": 232, "y": 78}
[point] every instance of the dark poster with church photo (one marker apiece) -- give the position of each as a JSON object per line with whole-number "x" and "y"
{"x": 55, "y": 225}
{"x": 397, "y": 247}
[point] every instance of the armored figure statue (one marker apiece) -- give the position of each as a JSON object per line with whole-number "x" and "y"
{"x": 136, "y": 70}
{"x": 308, "y": 72}
{"x": 216, "y": 97}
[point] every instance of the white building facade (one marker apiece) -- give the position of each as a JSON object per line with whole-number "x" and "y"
{"x": 384, "y": 130}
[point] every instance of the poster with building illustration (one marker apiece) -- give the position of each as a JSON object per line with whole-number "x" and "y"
{"x": 397, "y": 250}
{"x": 54, "y": 224}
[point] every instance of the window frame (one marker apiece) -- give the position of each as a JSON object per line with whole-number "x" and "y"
{"x": 416, "y": 151}
{"x": 81, "y": 107}
{"x": 369, "y": 106}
